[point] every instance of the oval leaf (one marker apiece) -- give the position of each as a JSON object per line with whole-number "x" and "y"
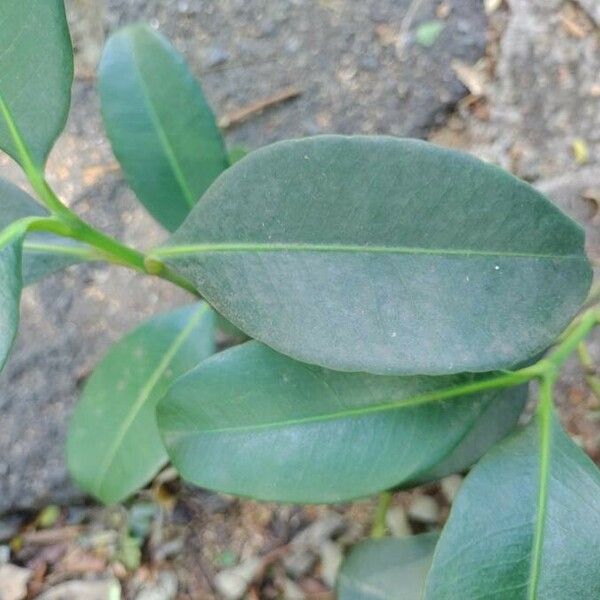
{"x": 43, "y": 253}
{"x": 387, "y": 568}
{"x": 253, "y": 422}
{"x": 113, "y": 445}
{"x": 36, "y": 74}
{"x": 161, "y": 127}
{"x": 384, "y": 255}
{"x": 524, "y": 525}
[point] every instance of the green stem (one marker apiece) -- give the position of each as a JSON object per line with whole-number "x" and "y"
{"x": 68, "y": 224}
{"x": 589, "y": 369}
{"x": 587, "y": 321}
{"x": 379, "y": 525}
{"x": 545, "y": 415}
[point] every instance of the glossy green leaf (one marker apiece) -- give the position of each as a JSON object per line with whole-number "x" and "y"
{"x": 525, "y": 524}
{"x": 383, "y": 255}
{"x": 496, "y": 421}
{"x": 10, "y": 289}
{"x": 113, "y": 445}
{"x": 161, "y": 127}
{"x": 36, "y": 74}
{"x": 43, "y": 253}
{"x": 387, "y": 568}
{"x": 252, "y": 422}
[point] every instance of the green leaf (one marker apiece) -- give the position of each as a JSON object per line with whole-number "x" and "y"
{"x": 113, "y": 445}
{"x": 36, "y": 74}
{"x": 387, "y": 568}
{"x": 525, "y": 524}
{"x": 10, "y": 288}
{"x": 383, "y": 255}
{"x": 252, "y": 422}
{"x": 496, "y": 421}
{"x": 43, "y": 253}
{"x": 161, "y": 127}
{"x": 427, "y": 33}
{"x": 237, "y": 153}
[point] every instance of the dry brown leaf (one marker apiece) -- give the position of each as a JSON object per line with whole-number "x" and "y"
{"x": 386, "y": 35}
{"x": 443, "y": 10}
{"x": 470, "y": 77}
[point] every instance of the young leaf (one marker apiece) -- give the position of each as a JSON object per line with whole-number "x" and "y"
{"x": 113, "y": 445}
{"x": 36, "y": 73}
{"x": 43, "y": 253}
{"x": 525, "y": 524}
{"x": 387, "y": 568}
{"x": 10, "y": 287}
{"x": 253, "y": 422}
{"x": 383, "y": 255}
{"x": 161, "y": 127}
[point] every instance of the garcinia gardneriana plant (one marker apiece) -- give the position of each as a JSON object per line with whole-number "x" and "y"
{"x": 400, "y": 298}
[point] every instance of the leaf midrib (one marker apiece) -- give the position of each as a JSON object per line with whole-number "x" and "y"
{"x": 226, "y": 247}
{"x": 143, "y": 396}
{"x": 165, "y": 142}
{"x": 461, "y": 391}
{"x": 542, "y": 506}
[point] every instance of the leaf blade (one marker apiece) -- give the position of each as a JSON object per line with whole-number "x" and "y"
{"x": 387, "y": 568}
{"x": 10, "y": 289}
{"x": 36, "y": 74}
{"x": 383, "y": 255}
{"x": 162, "y": 130}
{"x": 221, "y": 422}
{"x": 113, "y": 445}
{"x": 504, "y": 562}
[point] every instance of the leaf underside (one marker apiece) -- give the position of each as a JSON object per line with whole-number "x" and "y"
{"x": 488, "y": 548}
{"x": 113, "y": 445}
{"x": 383, "y": 255}
{"x": 253, "y": 422}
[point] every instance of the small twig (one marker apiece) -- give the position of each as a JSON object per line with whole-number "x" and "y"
{"x": 239, "y": 116}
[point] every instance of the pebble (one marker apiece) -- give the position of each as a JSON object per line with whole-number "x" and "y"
{"x": 164, "y": 588}
{"x": 424, "y": 509}
{"x": 292, "y": 591}
{"x": 13, "y": 582}
{"x": 215, "y": 57}
{"x": 331, "y": 560}
{"x": 450, "y": 486}
{"x": 299, "y": 562}
{"x": 106, "y": 589}
{"x": 233, "y": 583}
{"x": 397, "y": 522}
{"x": 324, "y": 529}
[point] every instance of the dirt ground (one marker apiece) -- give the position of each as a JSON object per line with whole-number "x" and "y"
{"x": 528, "y": 99}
